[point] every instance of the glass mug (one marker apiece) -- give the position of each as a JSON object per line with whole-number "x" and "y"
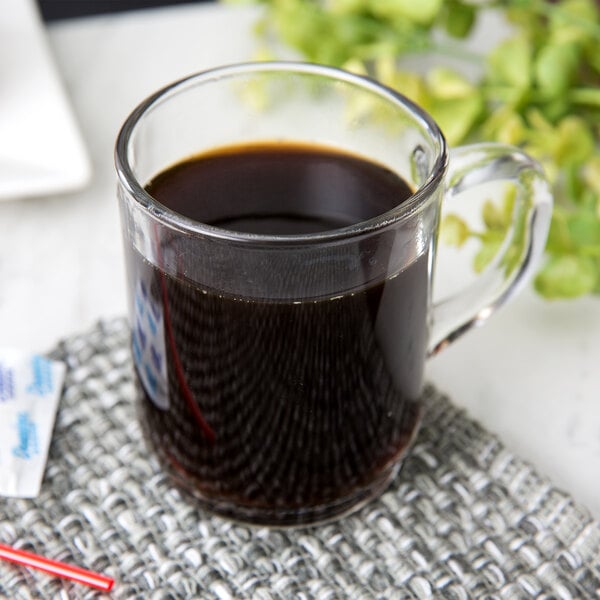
{"x": 279, "y": 373}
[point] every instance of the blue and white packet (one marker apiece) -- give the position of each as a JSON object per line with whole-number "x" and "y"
{"x": 148, "y": 342}
{"x": 30, "y": 388}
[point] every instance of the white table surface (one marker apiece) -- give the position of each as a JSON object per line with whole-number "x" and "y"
{"x": 531, "y": 374}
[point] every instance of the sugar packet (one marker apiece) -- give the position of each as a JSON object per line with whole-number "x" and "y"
{"x": 30, "y": 388}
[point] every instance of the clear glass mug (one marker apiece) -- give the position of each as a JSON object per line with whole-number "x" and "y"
{"x": 279, "y": 375}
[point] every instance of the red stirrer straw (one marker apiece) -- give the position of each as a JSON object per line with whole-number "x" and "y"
{"x": 54, "y": 567}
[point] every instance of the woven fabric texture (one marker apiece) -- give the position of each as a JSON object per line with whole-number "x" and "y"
{"x": 464, "y": 519}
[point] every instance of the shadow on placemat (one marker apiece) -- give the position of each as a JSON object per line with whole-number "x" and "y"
{"x": 465, "y": 518}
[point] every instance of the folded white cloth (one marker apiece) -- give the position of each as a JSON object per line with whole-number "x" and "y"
{"x": 41, "y": 149}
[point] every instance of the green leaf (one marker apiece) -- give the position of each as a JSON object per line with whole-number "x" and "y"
{"x": 342, "y": 7}
{"x": 574, "y": 142}
{"x": 494, "y": 217}
{"x": 574, "y": 183}
{"x": 585, "y": 96}
{"x": 584, "y": 229}
{"x": 456, "y": 116}
{"x": 555, "y": 68}
{"x": 556, "y": 108}
{"x": 505, "y": 125}
{"x": 591, "y": 174}
{"x": 446, "y": 83}
{"x": 592, "y": 56}
{"x": 486, "y": 253}
{"x": 516, "y": 223}
{"x": 412, "y": 85}
{"x": 567, "y": 276}
{"x": 559, "y": 237}
{"x": 459, "y": 18}
{"x": 511, "y": 62}
{"x": 454, "y": 230}
{"x": 574, "y": 21}
{"x": 422, "y": 12}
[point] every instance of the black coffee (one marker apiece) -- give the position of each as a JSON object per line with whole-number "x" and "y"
{"x": 279, "y": 405}
{"x": 279, "y": 189}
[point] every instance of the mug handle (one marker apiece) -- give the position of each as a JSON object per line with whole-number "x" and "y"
{"x": 523, "y": 244}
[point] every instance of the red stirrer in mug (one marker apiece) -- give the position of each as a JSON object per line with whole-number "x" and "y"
{"x": 54, "y": 567}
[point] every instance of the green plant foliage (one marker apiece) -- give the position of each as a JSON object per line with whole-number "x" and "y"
{"x": 539, "y": 89}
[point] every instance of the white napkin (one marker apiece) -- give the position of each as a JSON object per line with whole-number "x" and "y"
{"x": 41, "y": 150}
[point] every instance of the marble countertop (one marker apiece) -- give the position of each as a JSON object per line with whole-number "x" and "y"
{"x": 530, "y": 375}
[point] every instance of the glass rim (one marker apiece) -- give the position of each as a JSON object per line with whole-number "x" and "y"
{"x": 181, "y": 223}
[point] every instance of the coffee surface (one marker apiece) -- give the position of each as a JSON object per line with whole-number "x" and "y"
{"x": 279, "y": 188}
{"x": 273, "y": 404}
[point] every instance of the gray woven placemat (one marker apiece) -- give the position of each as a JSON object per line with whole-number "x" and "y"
{"x": 465, "y": 518}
